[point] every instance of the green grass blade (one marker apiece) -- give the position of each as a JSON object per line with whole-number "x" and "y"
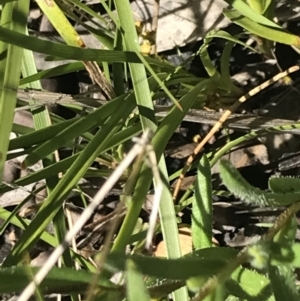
{"x": 76, "y": 53}
{"x": 59, "y": 280}
{"x": 74, "y": 130}
{"x": 225, "y": 79}
{"x": 206, "y": 61}
{"x": 54, "y": 201}
{"x": 205, "y": 262}
{"x": 138, "y": 72}
{"x": 250, "y": 13}
{"x": 217, "y": 155}
{"x": 64, "y": 164}
{"x": 41, "y": 117}
{"x": 37, "y": 137}
{"x": 202, "y": 207}
{"x": 23, "y": 223}
{"x": 65, "y": 51}
{"x": 59, "y": 70}
{"x": 274, "y": 34}
{"x": 163, "y": 134}
{"x": 169, "y": 228}
{"x": 46, "y": 237}
{"x": 144, "y": 101}
{"x": 227, "y": 36}
{"x": 60, "y": 22}
{"x": 16, "y": 13}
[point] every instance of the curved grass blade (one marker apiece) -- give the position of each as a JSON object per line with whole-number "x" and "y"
{"x": 64, "y": 164}
{"x": 250, "y": 13}
{"x": 163, "y": 134}
{"x": 46, "y": 237}
{"x": 225, "y": 79}
{"x": 274, "y": 34}
{"x": 75, "y": 53}
{"x": 75, "y": 129}
{"x": 59, "y": 70}
{"x": 54, "y": 201}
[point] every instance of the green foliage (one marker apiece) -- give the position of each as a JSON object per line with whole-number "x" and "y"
{"x": 136, "y": 288}
{"x": 284, "y": 184}
{"x": 14, "y": 279}
{"x": 251, "y": 195}
{"x": 281, "y": 267}
{"x": 259, "y": 255}
{"x": 211, "y": 273}
{"x": 283, "y": 281}
{"x": 202, "y": 207}
{"x": 278, "y": 258}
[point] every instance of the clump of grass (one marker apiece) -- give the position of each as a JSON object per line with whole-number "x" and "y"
{"x": 209, "y": 272}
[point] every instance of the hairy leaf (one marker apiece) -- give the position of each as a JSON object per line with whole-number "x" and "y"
{"x": 237, "y": 185}
{"x": 284, "y": 184}
{"x": 283, "y": 283}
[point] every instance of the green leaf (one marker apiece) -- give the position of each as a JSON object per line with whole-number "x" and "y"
{"x": 204, "y": 262}
{"x": 58, "y": 280}
{"x": 75, "y": 53}
{"x": 283, "y": 248}
{"x": 274, "y": 34}
{"x": 296, "y": 251}
{"x": 259, "y": 6}
{"x": 202, "y": 207}
{"x": 250, "y": 13}
{"x": 249, "y": 285}
{"x": 237, "y": 185}
{"x": 59, "y": 70}
{"x": 54, "y": 201}
{"x": 283, "y": 282}
{"x": 75, "y": 129}
{"x": 136, "y": 289}
{"x": 284, "y": 184}
{"x": 158, "y": 291}
{"x": 259, "y": 254}
{"x": 13, "y": 16}
{"x": 227, "y": 36}
{"x": 159, "y": 141}
{"x": 287, "y": 234}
